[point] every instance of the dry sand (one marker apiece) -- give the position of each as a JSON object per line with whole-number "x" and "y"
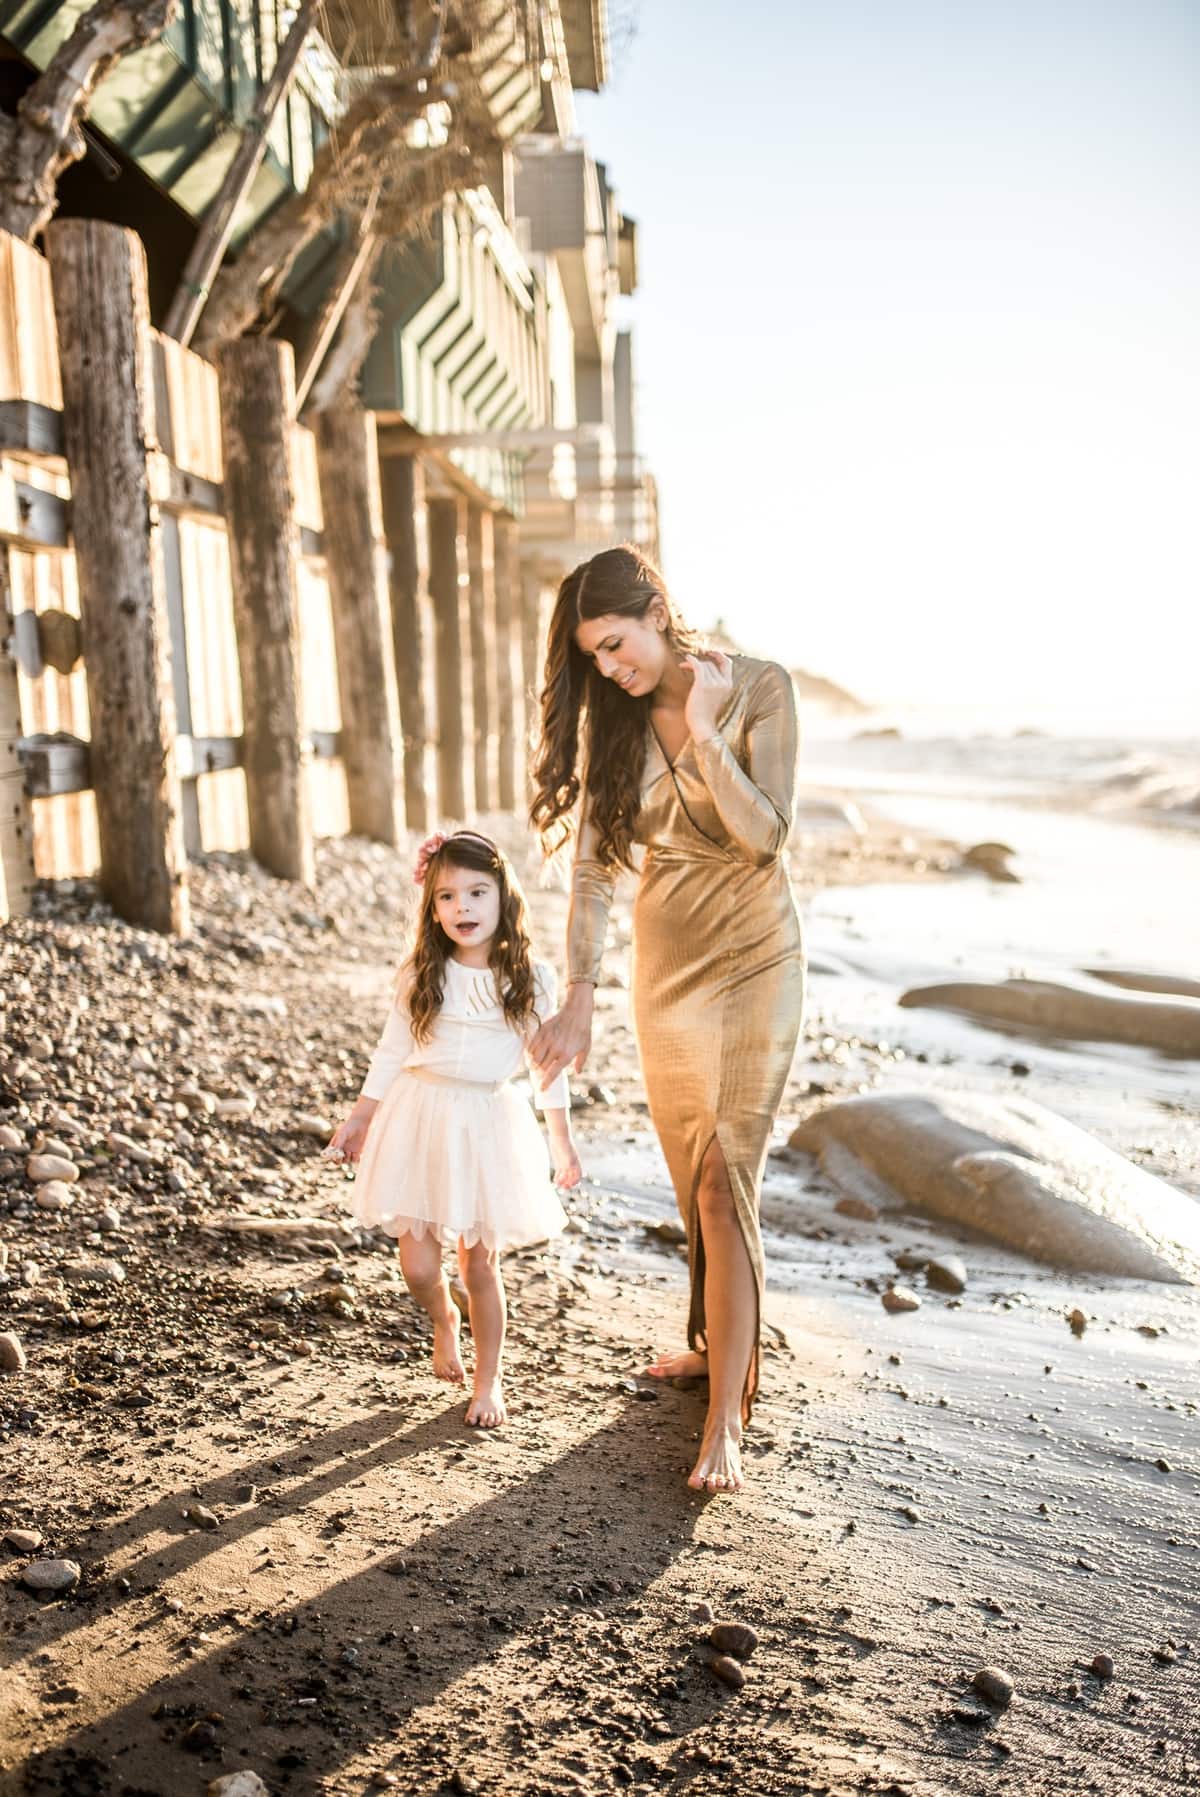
{"x": 388, "y": 1599}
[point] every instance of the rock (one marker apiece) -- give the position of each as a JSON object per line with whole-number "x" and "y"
{"x": 703, "y": 1613}
{"x": 994, "y": 1686}
{"x": 51, "y": 1575}
{"x": 666, "y": 1231}
{"x": 1103, "y": 1666}
{"x": 899, "y": 1298}
{"x": 108, "y": 1220}
{"x": 95, "y": 1272}
{"x": 308, "y": 1123}
{"x": 736, "y": 1638}
{"x": 1078, "y": 1321}
{"x": 202, "y": 1516}
{"x": 992, "y": 858}
{"x": 40, "y": 1167}
{"x": 238, "y": 1784}
{"x": 10, "y": 1138}
{"x": 129, "y": 1149}
{"x": 601, "y": 1095}
{"x": 1164, "y": 1466}
{"x": 54, "y": 1194}
{"x": 1042, "y": 1007}
{"x": 236, "y": 1109}
{"x": 858, "y": 1208}
{"x": 946, "y": 1273}
{"x": 12, "y": 1354}
{"x": 728, "y": 1671}
{"x": 199, "y": 1737}
{"x": 24, "y": 1541}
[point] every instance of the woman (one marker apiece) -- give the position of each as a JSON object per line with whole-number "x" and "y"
{"x": 692, "y": 755}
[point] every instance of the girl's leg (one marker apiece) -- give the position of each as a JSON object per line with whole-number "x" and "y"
{"x": 421, "y": 1264}
{"x": 485, "y": 1290}
{"x": 730, "y": 1315}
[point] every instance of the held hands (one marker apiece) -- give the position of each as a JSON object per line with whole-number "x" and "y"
{"x": 712, "y": 683}
{"x": 565, "y": 1039}
{"x": 349, "y": 1138}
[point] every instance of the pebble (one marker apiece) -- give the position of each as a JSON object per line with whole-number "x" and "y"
{"x": 946, "y": 1274}
{"x": 12, "y": 1354}
{"x": 728, "y": 1671}
{"x": 95, "y": 1272}
{"x": 857, "y": 1207}
{"x": 238, "y": 1784}
{"x": 10, "y": 1138}
{"x": 24, "y": 1541}
{"x": 736, "y": 1638}
{"x": 40, "y": 1167}
{"x": 993, "y": 1685}
{"x": 54, "y": 1194}
{"x": 307, "y": 1123}
{"x": 236, "y": 1109}
{"x": 900, "y": 1298}
{"x": 1164, "y": 1466}
{"x": 202, "y": 1516}
{"x": 1103, "y": 1666}
{"x": 910, "y": 1260}
{"x": 51, "y": 1575}
{"x": 1078, "y": 1322}
{"x": 703, "y": 1613}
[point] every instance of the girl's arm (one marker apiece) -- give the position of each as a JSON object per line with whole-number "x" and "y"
{"x": 391, "y": 1051}
{"x": 567, "y": 1170}
{"x": 756, "y": 806}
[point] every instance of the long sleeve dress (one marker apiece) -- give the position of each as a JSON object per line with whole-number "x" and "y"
{"x": 453, "y": 1149}
{"x": 718, "y": 957}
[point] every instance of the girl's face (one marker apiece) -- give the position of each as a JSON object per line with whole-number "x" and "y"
{"x": 631, "y": 652}
{"x": 467, "y": 906}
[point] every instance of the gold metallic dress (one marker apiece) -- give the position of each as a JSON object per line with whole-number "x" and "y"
{"x": 718, "y": 959}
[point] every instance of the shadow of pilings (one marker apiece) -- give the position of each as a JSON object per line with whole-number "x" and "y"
{"x": 508, "y": 1556}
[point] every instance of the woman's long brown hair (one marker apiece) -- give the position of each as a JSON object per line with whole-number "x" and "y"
{"x": 423, "y": 977}
{"x": 624, "y": 583}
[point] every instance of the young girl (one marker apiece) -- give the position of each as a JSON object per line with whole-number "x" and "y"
{"x": 447, "y": 1150}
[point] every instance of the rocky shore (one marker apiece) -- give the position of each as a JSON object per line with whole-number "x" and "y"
{"x": 245, "y": 1531}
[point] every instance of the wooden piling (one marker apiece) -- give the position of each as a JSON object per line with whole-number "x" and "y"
{"x": 98, "y": 273}
{"x": 533, "y": 633}
{"x": 347, "y": 462}
{"x": 406, "y": 534}
{"x": 510, "y": 706}
{"x": 257, "y": 403}
{"x": 452, "y": 639}
{"x": 481, "y": 590}
{"x": 16, "y": 807}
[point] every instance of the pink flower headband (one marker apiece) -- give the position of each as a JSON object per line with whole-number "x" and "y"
{"x": 433, "y": 844}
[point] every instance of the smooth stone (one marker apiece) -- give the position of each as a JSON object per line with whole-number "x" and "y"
{"x": 10, "y": 1138}
{"x": 41, "y": 1167}
{"x": 235, "y": 1109}
{"x": 12, "y": 1354}
{"x": 736, "y": 1638}
{"x": 238, "y": 1784}
{"x": 946, "y": 1273}
{"x": 24, "y": 1541}
{"x": 51, "y": 1575}
{"x": 1077, "y": 1321}
{"x": 202, "y": 1516}
{"x": 54, "y": 1194}
{"x": 1103, "y": 1666}
{"x": 728, "y": 1671}
{"x": 703, "y": 1613}
{"x": 899, "y": 1298}
{"x": 993, "y": 1685}
{"x": 308, "y": 1123}
{"x": 858, "y": 1208}
{"x": 95, "y": 1272}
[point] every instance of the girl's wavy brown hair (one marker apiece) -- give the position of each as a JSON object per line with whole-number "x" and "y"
{"x": 623, "y": 583}
{"x": 423, "y": 977}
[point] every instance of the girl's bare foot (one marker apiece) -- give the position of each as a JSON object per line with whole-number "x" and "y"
{"x": 679, "y": 1366}
{"x": 487, "y": 1409}
{"x": 447, "y": 1363}
{"x": 719, "y": 1466}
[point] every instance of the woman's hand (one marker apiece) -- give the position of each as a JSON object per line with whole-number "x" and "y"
{"x": 349, "y": 1138}
{"x": 565, "y": 1039}
{"x": 712, "y": 683}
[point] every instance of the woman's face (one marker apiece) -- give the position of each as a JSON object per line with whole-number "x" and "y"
{"x": 631, "y": 652}
{"x": 467, "y": 905}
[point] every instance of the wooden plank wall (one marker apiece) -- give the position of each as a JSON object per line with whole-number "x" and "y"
{"x": 38, "y": 578}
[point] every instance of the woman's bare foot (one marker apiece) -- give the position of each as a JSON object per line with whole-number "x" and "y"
{"x": 719, "y": 1466}
{"x": 447, "y": 1363}
{"x": 487, "y": 1409}
{"x": 679, "y": 1366}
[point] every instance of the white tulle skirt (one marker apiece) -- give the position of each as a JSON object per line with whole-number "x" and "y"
{"x": 457, "y": 1160}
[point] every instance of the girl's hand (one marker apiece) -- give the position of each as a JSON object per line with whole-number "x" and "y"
{"x": 567, "y": 1170}
{"x": 349, "y": 1138}
{"x": 565, "y": 1039}
{"x": 712, "y": 683}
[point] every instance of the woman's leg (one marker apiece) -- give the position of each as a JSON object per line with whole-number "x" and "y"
{"x": 485, "y": 1290}
{"x": 421, "y": 1264}
{"x": 731, "y": 1326}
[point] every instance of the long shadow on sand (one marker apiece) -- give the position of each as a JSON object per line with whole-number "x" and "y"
{"x": 297, "y": 1697}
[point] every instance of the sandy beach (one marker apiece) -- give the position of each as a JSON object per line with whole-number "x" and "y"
{"x": 293, "y": 1556}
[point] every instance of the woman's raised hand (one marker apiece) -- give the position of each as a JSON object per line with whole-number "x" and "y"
{"x": 565, "y": 1039}
{"x": 712, "y": 683}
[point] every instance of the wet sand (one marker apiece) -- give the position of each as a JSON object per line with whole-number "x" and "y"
{"x": 389, "y": 1600}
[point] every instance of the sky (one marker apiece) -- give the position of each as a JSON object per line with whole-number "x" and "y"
{"x": 917, "y": 338}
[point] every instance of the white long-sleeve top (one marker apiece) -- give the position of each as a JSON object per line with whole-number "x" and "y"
{"x": 471, "y": 1037}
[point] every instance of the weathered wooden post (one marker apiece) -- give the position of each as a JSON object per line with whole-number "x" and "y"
{"x": 481, "y": 590}
{"x": 453, "y": 665}
{"x": 257, "y": 395}
{"x": 406, "y": 532}
{"x": 16, "y": 807}
{"x": 510, "y": 697}
{"x": 533, "y": 608}
{"x": 98, "y": 272}
{"x": 347, "y": 462}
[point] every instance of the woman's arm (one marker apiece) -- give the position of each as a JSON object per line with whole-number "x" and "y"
{"x": 756, "y": 806}
{"x": 565, "y": 1039}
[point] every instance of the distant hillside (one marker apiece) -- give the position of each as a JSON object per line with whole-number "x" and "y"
{"x": 813, "y": 689}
